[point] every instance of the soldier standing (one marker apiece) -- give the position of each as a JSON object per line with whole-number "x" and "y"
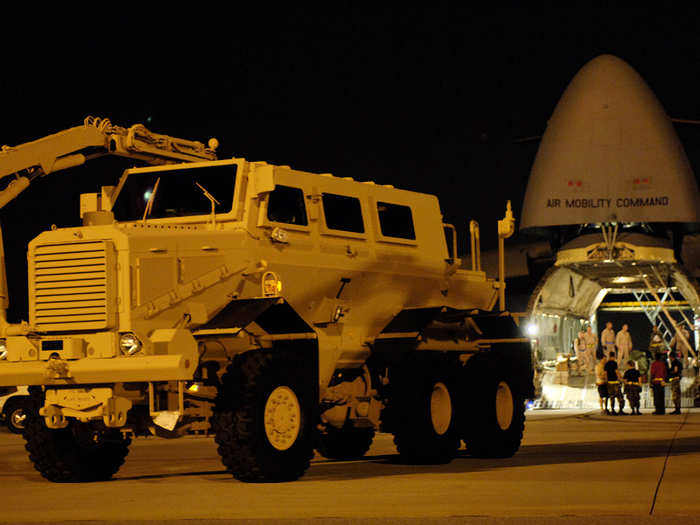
{"x": 623, "y": 342}
{"x": 601, "y": 380}
{"x": 607, "y": 339}
{"x": 674, "y": 379}
{"x": 677, "y": 344}
{"x": 591, "y": 341}
{"x": 657, "y": 377}
{"x": 614, "y": 390}
{"x": 580, "y": 349}
{"x": 633, "y": 387}
{"x": 656, "y": 343}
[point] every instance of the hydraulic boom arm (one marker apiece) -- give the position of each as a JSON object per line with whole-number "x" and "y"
{"x": 95, "y": 138}
{"x": 73, "y": 147}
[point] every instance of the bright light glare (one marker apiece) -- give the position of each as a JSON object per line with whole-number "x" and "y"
{"x": 624, "y": 279}
{"x": 147, "y": 195}
{"x": 531, "y": 329}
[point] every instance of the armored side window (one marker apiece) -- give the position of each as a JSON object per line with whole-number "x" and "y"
{"x": 396, "y": 220}
{"x": 286, "y": 205}
{"x": 343, "y": 213}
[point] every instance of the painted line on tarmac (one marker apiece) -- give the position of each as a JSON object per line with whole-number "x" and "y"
{"x": 668, "y": 454}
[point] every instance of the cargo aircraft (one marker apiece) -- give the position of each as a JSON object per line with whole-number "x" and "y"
{"x": 614, "y": 203}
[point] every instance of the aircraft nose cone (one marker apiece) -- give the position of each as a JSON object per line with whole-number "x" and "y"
{"x": 609, "y": 154}
{"x": 611, "y": 101}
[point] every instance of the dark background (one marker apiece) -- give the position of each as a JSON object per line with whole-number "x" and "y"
{"x": 429, "y": 99}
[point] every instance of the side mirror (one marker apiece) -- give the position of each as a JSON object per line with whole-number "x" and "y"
{"x": 95, "y": 208}
{"x": 90, "y": 202}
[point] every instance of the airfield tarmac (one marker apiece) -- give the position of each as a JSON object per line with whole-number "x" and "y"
{"x": 573, "y": 467}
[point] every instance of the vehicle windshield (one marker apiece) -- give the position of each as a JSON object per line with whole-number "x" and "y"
{"x": 178, "y": 194}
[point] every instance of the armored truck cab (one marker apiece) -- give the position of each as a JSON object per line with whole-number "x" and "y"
{"x": 281, "y": 310}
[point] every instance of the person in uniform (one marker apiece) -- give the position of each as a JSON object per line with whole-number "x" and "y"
{"x": 601, "y": 380}
{"x": 674, "y": 379}
{"x": 614, "y": 390}
{"x": 580, "y": 349}
{"x": 607, "y": 339}
{"x": 656, "y": 342}
{"x": 577, "y": 351}
{"x": 678, "y": 346}
{"x": 633, "y": 387}
{"x": 591, "y": 341}
{"x": 623, "y": 342}
{"x": 657, "y": 378}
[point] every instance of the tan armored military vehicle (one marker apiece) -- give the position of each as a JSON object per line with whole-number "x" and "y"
{"x": 284, "y": 310}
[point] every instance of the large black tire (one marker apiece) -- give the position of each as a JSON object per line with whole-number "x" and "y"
{"x": 492, "y": 411}
{"x": 263, "y": 418}
{"x": 15, "y": 413}
{"x": 79, "y": 452}
{"x": 422, "y": 403}
{"x": 344, "y": 443}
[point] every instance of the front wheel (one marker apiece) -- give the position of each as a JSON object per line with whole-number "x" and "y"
{"x": 263, "y": 417}
{"x": 79, "y": 452}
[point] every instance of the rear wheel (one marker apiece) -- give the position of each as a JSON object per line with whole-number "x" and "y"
{"x": 422, "y": 411}
{"x": 263, "y": 417}
{"x": 345, "y": 443}
{"x": 79, "y": 452}
{"x": 15, "y": 414}
{"x": 493, "y": 417}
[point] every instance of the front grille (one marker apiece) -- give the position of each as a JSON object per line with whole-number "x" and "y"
{"x": 70, "y": 286}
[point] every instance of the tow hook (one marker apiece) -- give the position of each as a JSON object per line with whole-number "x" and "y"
{"x": 57, "y": 368}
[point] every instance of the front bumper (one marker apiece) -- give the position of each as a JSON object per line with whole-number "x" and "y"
{"x": 91, "y": 371}
{"x": 170, "y": 355}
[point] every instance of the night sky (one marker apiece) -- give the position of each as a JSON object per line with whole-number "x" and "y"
{"x": 434, "y": 99}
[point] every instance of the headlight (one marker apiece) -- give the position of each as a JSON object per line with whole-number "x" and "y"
{"x": 3, "y": 350}
{"x": 271, "y": 285}
{"x": 129, "y": 344}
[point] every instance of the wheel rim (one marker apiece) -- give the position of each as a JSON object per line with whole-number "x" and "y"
{"x": 504, "y": 405}
{"x": 17, "y": 418}
{"x": 440, "y": 408}
{"x": 282, "y": 418}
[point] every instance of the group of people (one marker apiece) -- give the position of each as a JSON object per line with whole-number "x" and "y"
{"x": 610, "y": 381}
{"x": 666, "y": 370}
{"x": 616, "y": 348}
{"x": 586, "y": 346}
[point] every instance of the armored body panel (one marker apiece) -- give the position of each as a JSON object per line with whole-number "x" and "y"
{"x": 318, "y": 308}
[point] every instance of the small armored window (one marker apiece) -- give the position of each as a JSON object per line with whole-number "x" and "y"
{"x": 396, "y": 220}
{"x": 286, "y": 205}
{"x": 343, "y": 213}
